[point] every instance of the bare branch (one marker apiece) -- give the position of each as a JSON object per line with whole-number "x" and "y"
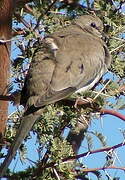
{"x": 112, "y": 112}
{"x": 102, "y": 168}
{"x": 72, "y": 158}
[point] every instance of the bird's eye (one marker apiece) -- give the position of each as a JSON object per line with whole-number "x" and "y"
{"x": 93, "y": 25}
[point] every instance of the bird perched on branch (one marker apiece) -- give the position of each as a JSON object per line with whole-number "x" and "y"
{"x": 70, "y": 60}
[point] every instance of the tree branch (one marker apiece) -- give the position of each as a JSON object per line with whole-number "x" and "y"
{"x": 27, "y": 25}
{"x": 102, "y": 168}
{"x": 72, "y": 158}
{"x": 47, "y": 10}
{"x": 112, "y": 112}
{"x": 23, "y": 1}
{"x": 6, "y": 12}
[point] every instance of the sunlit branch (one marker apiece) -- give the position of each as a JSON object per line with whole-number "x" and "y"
{"x": 102, "y": 168}
{"x": 112, "y": 112}
{"x": 72, "y": 158}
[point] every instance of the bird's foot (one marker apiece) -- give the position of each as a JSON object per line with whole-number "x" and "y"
{"x": 83, "y": 101}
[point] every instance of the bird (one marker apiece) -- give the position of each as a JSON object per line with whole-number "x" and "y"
{"x": 70, "y": 60}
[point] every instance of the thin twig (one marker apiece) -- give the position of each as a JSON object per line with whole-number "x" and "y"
{"x": 54, "y": 170}
{"x": 47, "y": 10}
{"x": 28, "y": 8}
{"x": 3, "y": 41}
{"x": 88, "y": 4}
{"x": 72, "y": 158}
{"x": 27, "y": 25}
{"x": 102, "y": 89}
{"x": 102, "y": 94}
{"x": 119, "y": 39}
{"x": 102, "y": 168}
{"x": 6, "y": 98}
{"x": 115, "y": 49}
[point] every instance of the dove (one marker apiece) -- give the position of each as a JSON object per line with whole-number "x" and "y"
{"x": 70, "y": 60}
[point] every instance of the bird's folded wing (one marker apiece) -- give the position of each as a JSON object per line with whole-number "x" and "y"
{"x": 79, "y": 59}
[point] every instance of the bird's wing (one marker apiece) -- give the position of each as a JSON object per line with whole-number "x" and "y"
{"x": 79, "y": 59}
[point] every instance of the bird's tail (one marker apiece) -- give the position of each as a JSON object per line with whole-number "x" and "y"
{"x": 26, "y": 125}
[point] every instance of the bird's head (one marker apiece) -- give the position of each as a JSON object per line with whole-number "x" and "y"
{"x": 91, "y": 24}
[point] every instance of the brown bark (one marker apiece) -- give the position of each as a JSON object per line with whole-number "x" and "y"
{"x": 6, "y": 11}
{"x": 22, "y": 2}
